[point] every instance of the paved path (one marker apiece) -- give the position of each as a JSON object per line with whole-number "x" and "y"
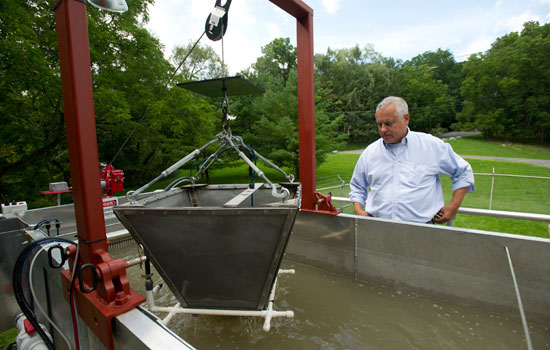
{"x": 458, "y": 133}
{"x": 539, "y": 162}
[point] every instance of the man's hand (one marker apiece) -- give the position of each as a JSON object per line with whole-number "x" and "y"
{"x": 358, "y": 208}
{"x": 445, "y": 214}
{"x": 448, "y": 212}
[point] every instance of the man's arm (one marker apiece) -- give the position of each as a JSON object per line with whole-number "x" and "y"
{"x": 462, "y": 179}
{"x": 358, "y": 208}
{"x": 448, "y": 212}
{"x": 358, "y": 186}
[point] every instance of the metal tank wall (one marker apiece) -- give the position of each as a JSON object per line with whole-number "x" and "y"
{"x": 462, "y": 266}
{"x": 12, "y": 239}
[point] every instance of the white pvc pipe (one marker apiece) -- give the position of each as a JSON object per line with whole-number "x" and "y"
{"x": 150, "y": 299}
{"x": 268, "y": 314}
{"x": 221, "y": 312}
{"x": 156, "y": 289}
{"x": 267, "y": 321}
{"x": 171, "y": 314}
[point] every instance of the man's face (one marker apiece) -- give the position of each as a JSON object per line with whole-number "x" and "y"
{"x": 390, "y": 127}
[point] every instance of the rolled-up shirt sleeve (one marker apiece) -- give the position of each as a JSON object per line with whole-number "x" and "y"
{"x": 358, "y": 184}
{"x": 460, "y": 170}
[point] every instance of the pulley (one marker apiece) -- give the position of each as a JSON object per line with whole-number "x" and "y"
{"x": 216, "y": 23}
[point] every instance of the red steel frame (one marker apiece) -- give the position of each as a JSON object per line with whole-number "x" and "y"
{"x": 78, "y": 101}
{"x": 74, "y": 56}
{"x": 306, "y": 96}
{"x": 113, "y": 294}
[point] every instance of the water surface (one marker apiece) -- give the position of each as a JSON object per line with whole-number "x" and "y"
{"x": 333, "y": 312}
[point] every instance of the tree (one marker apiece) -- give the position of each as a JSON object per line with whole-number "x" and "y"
{"x": 270, "y": 122}
{"x": 441, "y": 87}
{"x": 202, "y": 62}
{"x": 30, "y": 98}
{"x": 506, "y": 89}
{"x": 351, "y": 82}
{"x": 430, "y": 106}
{"x": 277, "y": 61}
{"x": 129, "y": 75}
{"x": 444, "y": 67}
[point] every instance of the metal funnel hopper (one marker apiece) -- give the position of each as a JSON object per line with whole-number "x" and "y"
{"x": 216, "y": 246}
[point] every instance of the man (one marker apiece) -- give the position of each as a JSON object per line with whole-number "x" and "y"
{"x": 398, "y": 175}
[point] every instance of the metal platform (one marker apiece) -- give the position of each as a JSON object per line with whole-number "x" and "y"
{"x": 216, "y": 246}
{"x": 220, "y": 87}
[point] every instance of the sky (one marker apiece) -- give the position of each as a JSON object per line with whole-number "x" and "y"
{"x": 399, "y": 29}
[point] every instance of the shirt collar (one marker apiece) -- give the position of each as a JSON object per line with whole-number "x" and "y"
{"x": 404, "y": 141}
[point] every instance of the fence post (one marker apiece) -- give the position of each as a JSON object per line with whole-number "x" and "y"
{"x": 492, "y": 187}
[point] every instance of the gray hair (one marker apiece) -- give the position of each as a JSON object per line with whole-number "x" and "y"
{"x": 400, "y": 105}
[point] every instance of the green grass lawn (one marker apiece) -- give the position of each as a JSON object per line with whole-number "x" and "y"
{"x": 528, "y": 195}
{"x": 476, "y": 145}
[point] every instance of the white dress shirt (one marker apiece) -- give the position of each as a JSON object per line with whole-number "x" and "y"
{"x": 401, "y": 181}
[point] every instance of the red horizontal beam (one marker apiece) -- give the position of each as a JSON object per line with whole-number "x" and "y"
{"x": 295, "y": 8}
{"x": 306, "y": 96}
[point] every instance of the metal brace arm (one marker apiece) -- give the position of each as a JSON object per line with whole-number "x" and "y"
{"x": 289, "y": 177}
{"x": 225, "y": 138}
{"x": 284, "y": 192}
{"x": 131, "y": 195}
{"x": 211, "y": 158}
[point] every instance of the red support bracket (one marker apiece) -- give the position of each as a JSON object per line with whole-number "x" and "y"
{"x": 323, "y": 204}
{"x": 110, "y": 297}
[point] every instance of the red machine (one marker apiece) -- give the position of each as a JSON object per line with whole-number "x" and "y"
{"x": 112, "y": 180}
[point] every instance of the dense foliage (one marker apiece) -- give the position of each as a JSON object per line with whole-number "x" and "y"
{"x": 129, "y": 74}
{"x": 270, "y": 122}
{"x": 502, "y": 92}
{"x": 350, "y": 83}
{"x": 506, "y": 90}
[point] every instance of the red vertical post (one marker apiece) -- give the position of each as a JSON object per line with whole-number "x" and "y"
{"x": 113, "y": 295}
{"x": 306, "y": 109}
{"x": 306, "y": 96}
{"x": 76, "y": 79}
